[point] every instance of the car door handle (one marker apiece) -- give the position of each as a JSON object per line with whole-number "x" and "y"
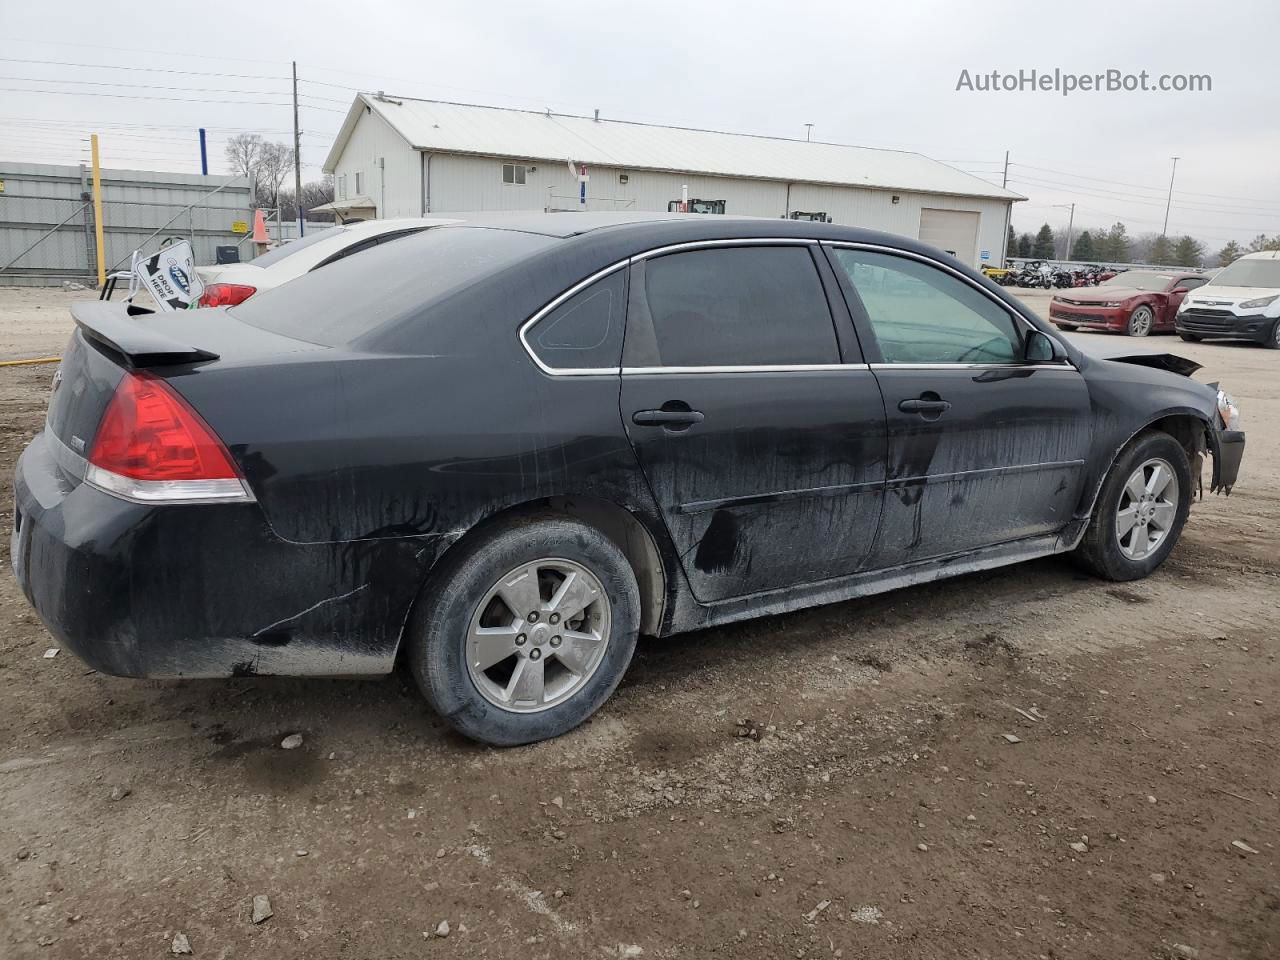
{"x": 925, "y": 406}
{"x": 672, "y": 419}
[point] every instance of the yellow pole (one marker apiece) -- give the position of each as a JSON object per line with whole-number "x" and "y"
{"x": 97, "y": 213}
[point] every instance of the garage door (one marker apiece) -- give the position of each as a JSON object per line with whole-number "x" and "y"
{"x": 955, "y": 231}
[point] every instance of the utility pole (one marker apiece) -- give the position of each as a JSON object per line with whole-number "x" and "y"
{"x": 1004, "y": 184}
{"x": 99, "y": 244}
{"x": 204, "y": 155}
{"x": 808, "y": 129}
{"x": 1071, "y": 220}
{"x": 1168, "y": 203}
{"x": 297, "y": 156}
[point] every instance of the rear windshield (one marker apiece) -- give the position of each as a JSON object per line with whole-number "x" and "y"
{"x": 356, "y": 295}
{"x": 293, "y": 246}
{"x": 1262, "y": 272}
{"x": 1139, "y": 280}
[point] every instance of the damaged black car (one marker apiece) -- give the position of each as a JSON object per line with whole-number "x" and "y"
{"x": 498, "y": 452}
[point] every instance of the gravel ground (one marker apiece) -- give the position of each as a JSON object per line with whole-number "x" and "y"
{"x": 879, "y": 810}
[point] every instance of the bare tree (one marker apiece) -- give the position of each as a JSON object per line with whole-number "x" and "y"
{"x": 242, "y": 152}
{"x": 314, "y": 194}
{"x": 275, "y": 161}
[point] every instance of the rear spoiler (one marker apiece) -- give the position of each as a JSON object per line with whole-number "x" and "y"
{"x": 113, "y": 326}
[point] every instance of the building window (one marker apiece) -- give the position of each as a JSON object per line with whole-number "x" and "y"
{"x": 513, "y": 173}
{"x": 342, "y": 187}
{"x": 359, "y": 183}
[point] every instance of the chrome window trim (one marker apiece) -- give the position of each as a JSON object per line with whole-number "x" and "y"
{"x": 572, "y": 291}
{"x": 736, "y": 242}
{"x": 771, "y": 368}
{"x": 758, "y": 368}
{"x": 1046, "y": 365}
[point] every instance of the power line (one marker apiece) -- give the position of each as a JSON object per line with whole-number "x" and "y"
{"x": 1182, "y": 205}
{"x": 184, "y": 53}
{"x": 111, "y": 66}
{"x": 126, "y": 96}
{"x": 1157, "y": 190}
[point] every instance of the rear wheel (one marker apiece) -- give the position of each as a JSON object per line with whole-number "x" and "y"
{"x": 526, "y": 631}
{"x": 1140, "y": 321}
{"x": 1141, "y": 510}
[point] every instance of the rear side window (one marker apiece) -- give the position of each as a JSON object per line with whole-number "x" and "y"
{"x": 735, "y": 306}
{"x": 584, "y": 332}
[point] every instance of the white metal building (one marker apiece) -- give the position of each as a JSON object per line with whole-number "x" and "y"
{"x": 400, "y": 157}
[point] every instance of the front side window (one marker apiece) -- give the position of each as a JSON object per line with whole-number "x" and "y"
{"x": 513, "y": 173}
{"x": 735, "y": 306}
{"x": 920, "y": 314}
{"x": 584, "y": 332}
{"x": 1190, "y": 283}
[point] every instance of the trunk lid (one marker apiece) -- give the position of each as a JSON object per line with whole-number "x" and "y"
{"x": 113, "y": 338}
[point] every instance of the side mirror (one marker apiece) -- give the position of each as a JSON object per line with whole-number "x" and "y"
{"x": 1042, "y": 348}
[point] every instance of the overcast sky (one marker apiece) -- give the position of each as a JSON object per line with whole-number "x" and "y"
{"x": 878, "y": 75}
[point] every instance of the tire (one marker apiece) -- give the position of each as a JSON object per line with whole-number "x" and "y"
{"x": 1140, "y": 322}
{"x": 1103, "y": 549}
{"x": 1273, "y": 342}
{"x": 1068, "y": 327}
{"x": 472, "y": 700}
{"x": 1190, "y": 337}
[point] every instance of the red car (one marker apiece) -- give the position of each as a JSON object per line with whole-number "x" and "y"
{"x": 1136, "y": 302}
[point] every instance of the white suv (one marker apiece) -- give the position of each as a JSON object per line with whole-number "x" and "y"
{"x": 1241, "y": 303}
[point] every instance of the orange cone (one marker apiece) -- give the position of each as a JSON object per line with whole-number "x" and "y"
{"x": 260, "y": 227}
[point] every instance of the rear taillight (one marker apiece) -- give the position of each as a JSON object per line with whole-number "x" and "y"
{"x": 226, "y": 294}
{"x": 152, "y": 446}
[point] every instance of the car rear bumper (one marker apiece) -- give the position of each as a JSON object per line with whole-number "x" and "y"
{"x": 1089, "y": 316}
{"x": 203, "y": 590}
{"x": 1223, "y": 323}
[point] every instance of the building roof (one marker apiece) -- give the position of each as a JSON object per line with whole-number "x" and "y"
{"x": 444, "y": 127}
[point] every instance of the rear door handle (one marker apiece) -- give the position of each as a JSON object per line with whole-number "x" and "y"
{"x": 667, "y": 418}
{"x": 924, "y": 406}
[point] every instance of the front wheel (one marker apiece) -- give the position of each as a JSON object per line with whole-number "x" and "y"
{"x": 1273, "y": 342}
{"x": 526, "y": 631}
{"x": 1190, "y": 337}
{"x": 1140, "y": 322}
{"x": 1068, "y": 327}
{"x": 1140, "y": 510}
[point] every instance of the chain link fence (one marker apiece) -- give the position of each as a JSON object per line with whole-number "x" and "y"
{"x": 47, "y": 231}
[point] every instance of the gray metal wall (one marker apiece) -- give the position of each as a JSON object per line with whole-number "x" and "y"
{"x": 136, "y": 204}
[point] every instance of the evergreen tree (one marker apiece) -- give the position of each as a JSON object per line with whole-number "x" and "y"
{"x": 1230, "y": 252}
{"x": 1161, "y": 251}
{"x": 1011, "y": 244}
{"x": 1083, "y": 248}
{"x": 1024, "y": 245}
{"x": 1113, "y": 246}
{"x": 1043, "y": 248}
{"x": 1188, "y": 252}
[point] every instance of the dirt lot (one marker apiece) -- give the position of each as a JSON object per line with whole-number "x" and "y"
{"x": 881, "y": 812}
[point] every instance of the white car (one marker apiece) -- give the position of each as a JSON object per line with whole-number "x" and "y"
{"x": 1241, "y": 303}
{"x": 227, "y": 284}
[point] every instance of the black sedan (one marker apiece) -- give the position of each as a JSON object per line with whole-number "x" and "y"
{"x": 499, "y": 452}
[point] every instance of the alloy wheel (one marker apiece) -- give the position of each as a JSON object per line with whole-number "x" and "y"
{"x": 1141, "y": 321}
{"x": 1148, "y": 509}
{"x": 538, "y": 635}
